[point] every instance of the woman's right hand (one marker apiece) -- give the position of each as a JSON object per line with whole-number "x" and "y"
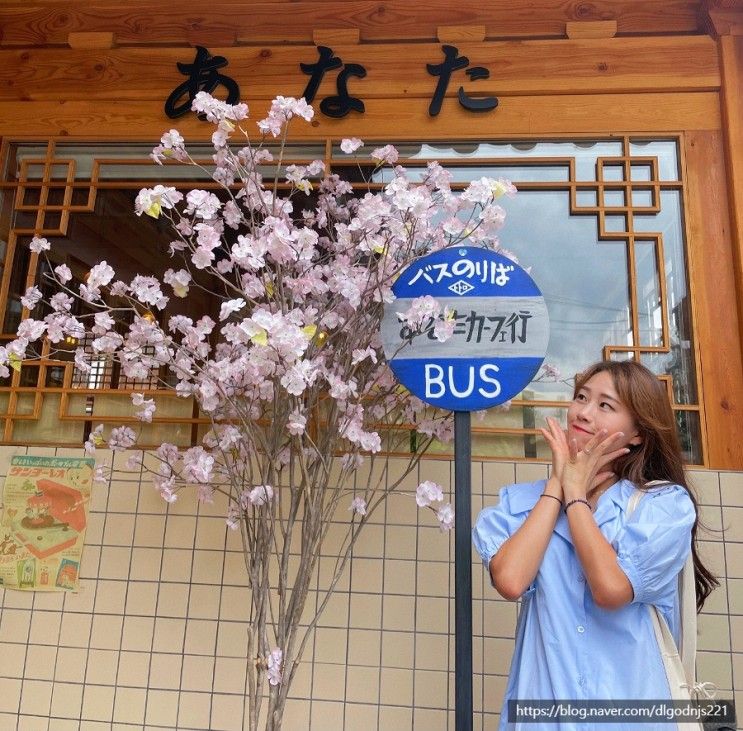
{"x": 557, "y": 439}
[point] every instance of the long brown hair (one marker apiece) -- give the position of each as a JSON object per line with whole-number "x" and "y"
{"x": 658, "y": 457}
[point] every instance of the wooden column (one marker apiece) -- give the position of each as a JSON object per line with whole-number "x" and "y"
{"x": 731, "y": 99}
{"x": 724, "y": 20}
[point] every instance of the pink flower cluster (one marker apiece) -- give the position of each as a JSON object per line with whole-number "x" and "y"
{"x": 298, "y": 295}
{"x": 283, "y": 108}
{"x": 429, "y": 492}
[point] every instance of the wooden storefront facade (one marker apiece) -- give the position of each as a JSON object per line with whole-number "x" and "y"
{"x": 626, "y": 71}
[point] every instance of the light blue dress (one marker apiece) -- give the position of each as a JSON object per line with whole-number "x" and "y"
{"x": 566, "y": 646}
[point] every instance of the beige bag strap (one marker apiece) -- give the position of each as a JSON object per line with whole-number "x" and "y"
{"x": 686, "y": 654}
{"x": 688, "y": 610}
{"x": 680, "y": 668}
{"x": 681, "y": 690}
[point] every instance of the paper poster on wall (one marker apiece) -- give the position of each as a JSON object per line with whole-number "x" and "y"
{"x": 44, "y": 516}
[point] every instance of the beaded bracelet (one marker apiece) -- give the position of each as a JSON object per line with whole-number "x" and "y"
{"x": 578, "y": 500}
{"x": 554, "y": 497}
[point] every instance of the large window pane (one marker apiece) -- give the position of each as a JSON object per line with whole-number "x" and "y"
{"x": 586, "y": 210}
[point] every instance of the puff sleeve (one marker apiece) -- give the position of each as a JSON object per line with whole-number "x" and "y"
{"x": 655, "y": 542}
{"x": 494, "y": 526}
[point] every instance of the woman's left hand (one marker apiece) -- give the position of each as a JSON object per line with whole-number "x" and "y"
{"x": 587, "y": 467}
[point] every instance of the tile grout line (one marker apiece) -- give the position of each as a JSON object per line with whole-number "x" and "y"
{"x": 125, "y": 615}
{"x": 451, "y": 567}
{"x": 415, "y": 613}
{"x": 25, "y": 660}
{"x": 91, "y": 610}
{"x": 225, "y": 540}
{"x": 381, "y": 617}
{"x": 159, "y": 582}
{"x": 482, "y": 613}
{"x": 2, "y": 613}
{"x": 59, "y": 636}
{"x": 348, "y": 618}
{"x": 727, "y": 585}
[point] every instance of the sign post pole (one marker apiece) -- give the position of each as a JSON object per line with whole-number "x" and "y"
{"x": 462, "y": 571}
{"x": 499, "y": 335}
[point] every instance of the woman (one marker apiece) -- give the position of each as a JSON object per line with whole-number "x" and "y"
{"x": 585, "y": 576}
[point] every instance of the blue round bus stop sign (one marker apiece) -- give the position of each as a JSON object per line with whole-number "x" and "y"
{"x": 501, "y": 329}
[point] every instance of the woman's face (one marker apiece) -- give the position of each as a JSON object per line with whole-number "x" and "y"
{"x": 597, "y": 406}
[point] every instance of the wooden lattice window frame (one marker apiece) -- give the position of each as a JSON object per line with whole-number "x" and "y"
{"x": 55, "y": 179}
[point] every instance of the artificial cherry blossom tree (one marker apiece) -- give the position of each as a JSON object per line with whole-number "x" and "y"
{"x": 288, "y": 366}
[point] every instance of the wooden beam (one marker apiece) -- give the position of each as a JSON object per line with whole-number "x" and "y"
{"x": 591, "y": 29}
{"x": 221, "y": 37}
{"x": 731, "y": 96}
{"x": 336, "y": 36}
{"x": 386, "y": 119}
{"x": 716, "y": 324}
{"x": 619, "y": 65}
{"x": 461, "y": 33}
{"x": 725, "y": 22}
{"x": 88, "y": 40}
{"x": 143, "y": 22}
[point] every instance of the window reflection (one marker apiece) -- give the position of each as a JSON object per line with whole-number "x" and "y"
{"x": 580, "y": 258}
